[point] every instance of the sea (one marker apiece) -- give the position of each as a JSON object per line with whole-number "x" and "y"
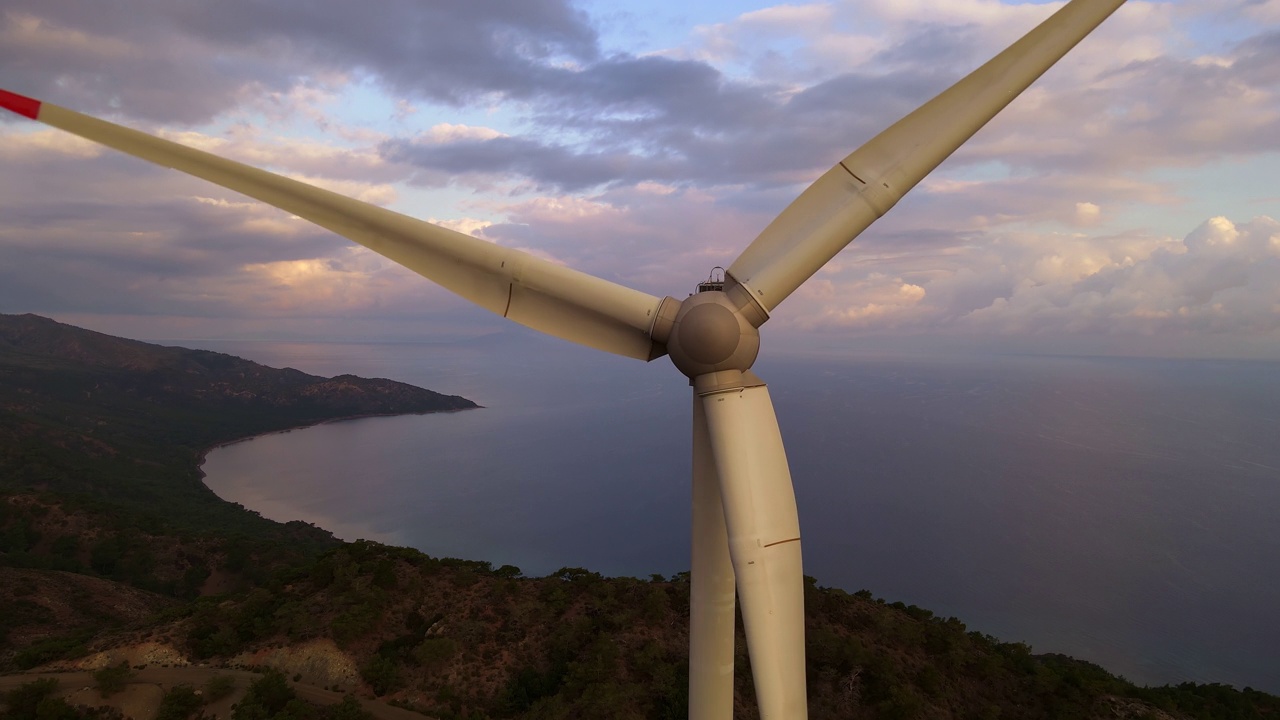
{"x": 1123, "y": 511}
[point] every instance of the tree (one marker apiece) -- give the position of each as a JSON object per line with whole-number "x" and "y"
{"x": 55, "y": 708}
{"x": 382, "y": 675}
{"x": 111, "y": 680}
{"x": 218, "y": 687}
{"x": 508, "y": 571}
{"x": 24, "y": 699}
{"x": 179, "y": 703}
{"x": 265, "y": 698}
{"x": 349, "y": 709}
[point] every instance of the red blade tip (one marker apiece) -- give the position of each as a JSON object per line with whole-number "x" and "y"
{"x": 20, "y": 104}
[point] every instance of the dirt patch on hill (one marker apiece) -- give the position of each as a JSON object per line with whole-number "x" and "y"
{"x": 147, "y": 653}
{"x": 316, "y": 662}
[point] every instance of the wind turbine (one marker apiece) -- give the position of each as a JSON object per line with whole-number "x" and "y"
{"x": 746, "y": 533}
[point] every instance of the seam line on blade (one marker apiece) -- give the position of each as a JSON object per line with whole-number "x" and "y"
{"x": 511, "y": 288}
{"x": 855, "y": 175}
{"x": 780, "y": 542}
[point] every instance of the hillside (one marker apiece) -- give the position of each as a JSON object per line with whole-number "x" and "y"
{"x": 461, "y": 639}
{"x": 101, "y": 439}
{"x": 112, "y": 550}
{"x": 106, "y": 388}
{"x": 125, "y": 423}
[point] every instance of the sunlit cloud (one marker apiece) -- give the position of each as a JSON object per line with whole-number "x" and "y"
{"x": 1088, "y": 213}
{"x": 28, "y": 31}
{"x": 448, "y": 132}
{"x": 466, "y": 226}
{"x": 27, "y": 146}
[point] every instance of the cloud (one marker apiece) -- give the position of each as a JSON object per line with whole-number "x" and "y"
{"x": 76, "y": 235}
{"x": 549, "y": 166}
{"x": 1262, "y": 11}
{"x": 1111, "y": 112}
{"x": 1222, "y": 279}
{"x": 646, "y": 167}
{"x": 23, "y": 147}
{"x": 187, "y": 63}
{"x": 878, "y": 301}
{"x": 598, "y": 118}
{"x": 1087, "y": 213}
{"x": 450, "y": 133}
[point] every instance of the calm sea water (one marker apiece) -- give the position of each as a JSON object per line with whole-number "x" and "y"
{"x": 1121, "y": 511}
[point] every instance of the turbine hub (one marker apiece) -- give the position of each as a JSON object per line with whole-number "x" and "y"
{"x": 711, "y": 335}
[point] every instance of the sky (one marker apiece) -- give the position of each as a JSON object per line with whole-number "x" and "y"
{"x": 1127, "y": 204}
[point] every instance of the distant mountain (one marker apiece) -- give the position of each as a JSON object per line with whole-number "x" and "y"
{"x": 31, "y": 345}
{"x": 128, "y": 422}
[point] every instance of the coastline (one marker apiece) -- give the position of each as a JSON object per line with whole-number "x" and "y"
{"x": 344, "y": 418}
{"x": 204, "y": 453}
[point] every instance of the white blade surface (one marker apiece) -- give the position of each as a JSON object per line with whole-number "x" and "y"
{"x": 867, "y": 183}
{"x": 764, "y": 543}
{"x": 711, "y": 598}
{"x": 546, "y": 297}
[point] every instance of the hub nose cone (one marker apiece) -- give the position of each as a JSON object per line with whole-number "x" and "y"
{"x": 710, "y": 333}
{"x": 709, "y": 336}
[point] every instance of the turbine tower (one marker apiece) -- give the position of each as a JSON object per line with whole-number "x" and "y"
{"x": 746, "y": 534}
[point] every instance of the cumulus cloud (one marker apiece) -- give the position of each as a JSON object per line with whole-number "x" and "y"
{"x": 1087, "y": 213}
{"x": 878, "y": 301}
{"x": 351, "y": 280}
{"x": 1221, "y": 280}
{"x": 1225, "y": 278}
{"x": 26, "y": 146}
{"x": 108, "y": 232}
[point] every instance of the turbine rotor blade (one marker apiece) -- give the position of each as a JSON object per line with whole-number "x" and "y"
{"x": 547, "y": 297}
{"x": 842, "y": 203}
{"x": 764, "y": 541}
{"x": 711, "y": 580}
